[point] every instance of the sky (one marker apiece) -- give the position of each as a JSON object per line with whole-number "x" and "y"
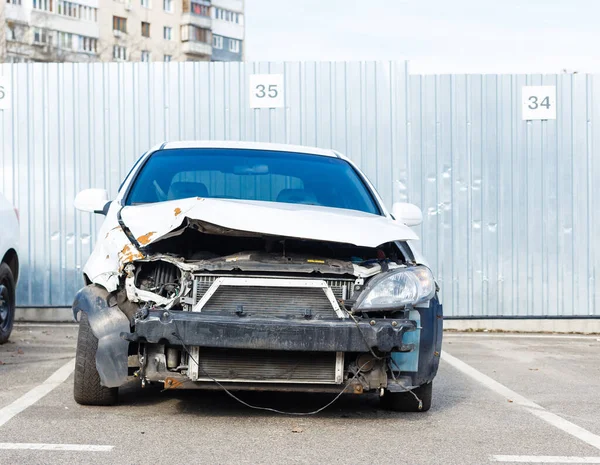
{"x": 436, "y": 36}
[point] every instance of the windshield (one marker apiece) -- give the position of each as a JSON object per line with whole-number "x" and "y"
{"x": 251, "y": 175}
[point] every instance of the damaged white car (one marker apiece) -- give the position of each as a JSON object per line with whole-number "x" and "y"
{"x": 247, "y": 266}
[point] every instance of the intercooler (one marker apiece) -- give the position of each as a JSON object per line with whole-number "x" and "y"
{"x": 264, "y": 366}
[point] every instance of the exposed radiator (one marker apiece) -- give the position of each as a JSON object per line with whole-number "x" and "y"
{"x": 264, "y": 366}
{"x": 290, "y": 302}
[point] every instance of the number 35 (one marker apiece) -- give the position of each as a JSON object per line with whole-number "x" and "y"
{"x": 534, "y": 103}
{"x": 262, "y": 91}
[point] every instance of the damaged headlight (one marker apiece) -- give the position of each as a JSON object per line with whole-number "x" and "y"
{"x": 398, "y": 288}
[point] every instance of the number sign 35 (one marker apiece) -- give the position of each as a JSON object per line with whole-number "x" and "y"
{"x": 266, "y": 91}
{"x": 539, "y": 102}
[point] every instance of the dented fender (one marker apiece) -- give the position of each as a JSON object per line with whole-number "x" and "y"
{"x": 107, "y": 322}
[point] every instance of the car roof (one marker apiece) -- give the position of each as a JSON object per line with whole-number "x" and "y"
{"x": 243, "y": 145}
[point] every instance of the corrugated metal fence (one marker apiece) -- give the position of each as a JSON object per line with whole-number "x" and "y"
{"x": 511, "y": 218}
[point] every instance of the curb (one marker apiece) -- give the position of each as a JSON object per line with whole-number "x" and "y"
{"x": 546, "y": 325}
{"x": 44, "y": 315}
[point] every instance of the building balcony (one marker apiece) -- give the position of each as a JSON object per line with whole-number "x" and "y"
{"x": 227, "y": 29}
{"x": 201, "y": 21}
{"x": 17, "y": 13}
{"x": 196, "y": 48}
{"x": 233, "y": 5}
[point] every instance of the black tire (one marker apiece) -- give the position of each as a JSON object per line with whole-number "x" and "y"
{"x": 7, "y": 302}
{"x": 87, "y": 388}
{"x": 406, "y": 402}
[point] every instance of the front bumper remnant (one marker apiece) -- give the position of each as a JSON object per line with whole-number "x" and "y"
{"x": 234, "y": 332}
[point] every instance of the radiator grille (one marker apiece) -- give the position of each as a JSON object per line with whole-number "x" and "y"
{"x": 291, "y": 302}
{"x": 266, "y": 366}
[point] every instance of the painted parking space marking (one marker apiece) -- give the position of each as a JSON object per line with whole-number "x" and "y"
{"x": 543, "y": 459}
{"x": 517, "y": 399}
{"x": 56, "y": 447}
{"x": 38, "y": 392}
{"x": 46, "y": 325}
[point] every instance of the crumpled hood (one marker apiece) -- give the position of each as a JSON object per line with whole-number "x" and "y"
{"x": 152, "y": 222}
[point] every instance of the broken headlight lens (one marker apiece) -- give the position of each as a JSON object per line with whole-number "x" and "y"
{"x": 398, "y": 288}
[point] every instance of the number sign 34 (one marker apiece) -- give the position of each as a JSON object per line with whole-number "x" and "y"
{"x": 539, "y": 102}
{"x": 266, "y": 91}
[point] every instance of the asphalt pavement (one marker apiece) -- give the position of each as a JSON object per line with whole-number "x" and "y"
{"x": 498, "y": 398}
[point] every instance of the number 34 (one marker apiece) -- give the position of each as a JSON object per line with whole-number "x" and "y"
{"x": 262, "y": 91}
{"x": 534, "y": 105}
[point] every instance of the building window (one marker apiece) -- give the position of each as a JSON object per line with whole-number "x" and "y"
{"x": 11, "y": 33}
{"x": 196, "y": 34}
{"x": 17, "y": 59}
{"x": 200, "y": 10}
{"x": 41, "y": 36}
{"x": 234, "y": 46}
{"x": 75, "y": 10}
{"x": 145, "y": 56}
{"x": 145, "y": 3}
{"x": 145, "y": 29}
{"x": 167, "y": 33}
{"x": 77, "y": 43}
{"x": 65, "y": 41}
{"x": 44, "y": 5}
{"x": 119, "y": 53}
{"x": 218, "y": 42}
{"x": 168, "y": 58}
{"x": 86, "y": 44}
{"x": 168, "y": 5}
{"x": 14, "y": 2}
{"x": 227, "y": 15}
{"x": 119, "y": 24}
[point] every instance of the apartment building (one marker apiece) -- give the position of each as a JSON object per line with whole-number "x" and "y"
{"x": 196, "y": 34}
{"x": 49, "y": 30}
{"x": 122, "y": 30}
{"x": 228, "y": 30}
{"x": 140, "y": 30}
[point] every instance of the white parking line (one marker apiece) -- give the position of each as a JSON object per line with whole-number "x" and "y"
{"x": 539, "y": 411}
{"x": 543, "y": 459}
{"x": 31, "y": 397}
{"x": 46, "y": 325}
{"x": 60, "y": 447}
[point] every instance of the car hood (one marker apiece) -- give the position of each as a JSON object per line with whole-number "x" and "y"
{"x": 152, "y": 222}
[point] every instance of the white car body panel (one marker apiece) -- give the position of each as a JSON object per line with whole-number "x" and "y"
{"x": 152, "y": 222}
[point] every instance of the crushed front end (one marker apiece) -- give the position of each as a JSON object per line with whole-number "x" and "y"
{"x": 265, "y": 313}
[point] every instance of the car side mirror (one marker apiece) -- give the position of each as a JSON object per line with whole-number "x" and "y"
{"x": 407, "y": 213}
{"x": 93, "y": 201}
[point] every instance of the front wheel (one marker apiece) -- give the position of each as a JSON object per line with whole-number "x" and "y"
{"x": 87, "y": 387}
{"x": 7, "y": 302}
{"x": 406, "y": 401}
